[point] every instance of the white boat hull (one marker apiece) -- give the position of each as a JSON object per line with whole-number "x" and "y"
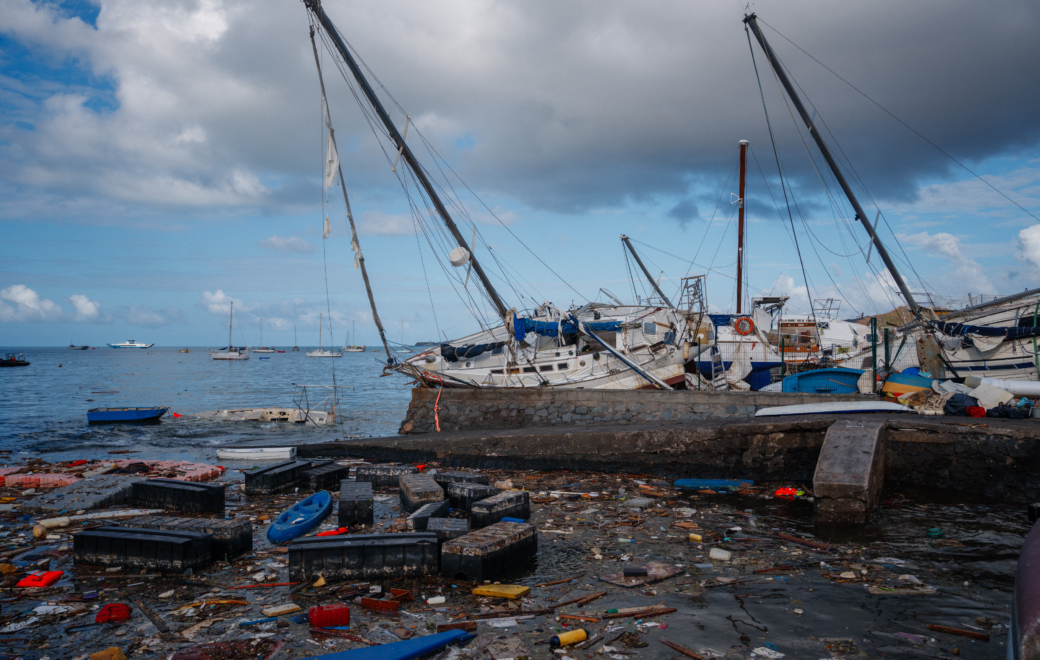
{"x": 258, "y": 454}
{"x": 833, "y": 407}
{"x": 324, "y": 354}
{"x": 288, "y": 415}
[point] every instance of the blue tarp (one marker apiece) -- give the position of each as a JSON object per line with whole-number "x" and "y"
{"x": 521, "y": 327}
{"x": 721, "y": 319}
{"x": 956, "y": 329}
{"x": 456, "y": 353}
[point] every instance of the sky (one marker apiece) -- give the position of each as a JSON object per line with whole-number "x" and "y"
{"x": 159, "y": 160}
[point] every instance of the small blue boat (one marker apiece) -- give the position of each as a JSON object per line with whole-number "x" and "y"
{"x": 126, "y": 415}
{"x": 300, "y": 518}
{"x": 836, "y": 380}
{"x": 712, "y": 484}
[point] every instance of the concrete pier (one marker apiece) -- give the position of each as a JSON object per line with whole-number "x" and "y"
{"x": 850, "y": 471}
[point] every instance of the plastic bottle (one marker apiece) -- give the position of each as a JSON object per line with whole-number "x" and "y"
{"x": 568, "y": 638}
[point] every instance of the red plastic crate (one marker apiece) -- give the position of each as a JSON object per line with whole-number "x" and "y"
{"x": 113, "y": 612}
{"x": 40, "y": 579}
{"x": 324, "y": 616}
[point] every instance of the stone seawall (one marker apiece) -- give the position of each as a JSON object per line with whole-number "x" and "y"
{"x": 472, "y": 409}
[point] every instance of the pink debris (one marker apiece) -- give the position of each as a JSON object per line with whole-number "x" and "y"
{"x": 11, "y": 469}
{"x": 186, "y": 470}
{"x": 44, "y": 480}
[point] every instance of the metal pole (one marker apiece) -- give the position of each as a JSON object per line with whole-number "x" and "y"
{"x": 873, "y": 351}
{"x": 406, "y": 152}
{"x": 639, "y": 261}
{"x": 740, "y": 224}
{"x": 888, "y": 347}
{"x": 752, "y": 21}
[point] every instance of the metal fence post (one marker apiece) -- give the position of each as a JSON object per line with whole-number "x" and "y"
{"x": 873, "y": 351}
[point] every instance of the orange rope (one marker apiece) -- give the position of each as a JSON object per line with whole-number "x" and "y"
{"x": 437, "y": 403}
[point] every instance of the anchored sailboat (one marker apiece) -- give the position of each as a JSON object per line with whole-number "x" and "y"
{"x": 261, "y": 348}
{"x": 230, "y": 352}
{"x": 320, "y": 352}
{"x": 353, "y": 348}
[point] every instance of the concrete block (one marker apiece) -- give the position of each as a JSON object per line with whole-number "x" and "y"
{"x": 148, "y": 549}
{"x": 445, "y": 478}
{"x": 355, "y": 503}
{"x": 447, "y": 529}
{"x": 481, "y": 554}
{"x": 370, "y": 556}
{"x": 418, "y": 490}
{"x": 93, "y": 493}
{"x": 274, "y": 478}
{"x": 418, "y": 521}
{"x": 174, "y": 495}
{"x": 384, "y": 476}
{"x": 850, "y": 472}
{"x": 228, "y": 537}
{"x": 463, "y": 495}
{"x": 510, "y": 504}
{"x": 324, "y": 476}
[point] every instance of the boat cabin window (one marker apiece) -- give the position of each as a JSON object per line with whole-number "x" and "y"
{"x": 650, "y": 328}
{"x": 529, "y": 370}
{"x": 496, "y": 371}
{"x": 563, "y": 366}
{"x": 545, "y": 367}
{"x": 669, "y": 337}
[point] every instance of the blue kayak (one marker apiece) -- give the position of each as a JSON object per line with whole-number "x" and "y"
{"x": 712, "y": 484}
{"x": 126, "y": 415}
{"x": 300, "y": 518}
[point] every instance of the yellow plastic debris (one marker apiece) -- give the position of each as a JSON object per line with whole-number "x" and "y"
{"x": 511, "y": 591}
{"x": 111, "y": 653}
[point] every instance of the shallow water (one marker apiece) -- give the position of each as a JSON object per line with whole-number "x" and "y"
{"x": 43, "y": 407}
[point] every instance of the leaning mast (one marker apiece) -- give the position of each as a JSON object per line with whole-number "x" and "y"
{"x": 653, "y": 283}
{"x": 752, "y": 21}
{"x": 406, "y": 152}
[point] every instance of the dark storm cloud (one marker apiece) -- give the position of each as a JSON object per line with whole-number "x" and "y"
{"x": 561, "y": 106}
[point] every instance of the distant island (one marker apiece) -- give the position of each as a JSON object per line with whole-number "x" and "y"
{"x": 426, "y": 343}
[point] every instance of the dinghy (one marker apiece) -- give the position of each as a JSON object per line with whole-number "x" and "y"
{"x": 300, "y": 518}
{"x": 126, "y": 415}
{"x": 258, "y": 454}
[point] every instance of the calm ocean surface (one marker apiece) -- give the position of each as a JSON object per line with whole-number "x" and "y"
{"x": 43, "y": 407}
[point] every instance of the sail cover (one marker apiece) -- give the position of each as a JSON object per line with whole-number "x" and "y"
{"x": 957, "y": 329}
{"x": 521, "y": 327}
{"x": 456, "y": 353}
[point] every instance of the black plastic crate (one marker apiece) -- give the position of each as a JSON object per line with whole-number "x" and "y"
{"x": 460, "y": 477}
{"x": 383, "y": 476}
{"x": 274, "y": 478}
{"x": 418, "y": 520}
{"x": 510, "y": 504}
{"x": 177, "y": 495}
{"x": 363, "y": 557}
{"x": 229, "y": 537}
{"x": 481, "y": 554}
{"x": 135, "y": 548}
{"x": 324, "y": 476}
{"x": 355, "y": 503}
{"x": 447, "y": 529}
{"x": 418, "y": 490}
{"x": 463, "y": 495}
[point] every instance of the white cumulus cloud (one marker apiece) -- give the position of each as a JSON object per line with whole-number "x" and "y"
{"x": 87, "y": 310}
{"x": 967, "y": 275}
{"x": 1029, "y": 245}
{"x": 219, "y": 302}
{"x": 287, "y": 244}
{"x": 27, "y": 306}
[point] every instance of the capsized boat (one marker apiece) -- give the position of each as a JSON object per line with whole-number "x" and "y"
{"x": 130, "y": 343}
{"x": 14, "y": 360}
{"x": 833, "y": 407}
{"x": 126, "y": 415}
{"x": 300, "y": 518}
{"x": 291, "y": 415}
{"x": 257, "y": 453}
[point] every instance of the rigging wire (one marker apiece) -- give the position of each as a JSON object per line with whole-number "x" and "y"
{"x": 905, "y": 125}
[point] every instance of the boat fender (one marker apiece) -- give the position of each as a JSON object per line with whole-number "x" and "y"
{"x": 744, "y": 325}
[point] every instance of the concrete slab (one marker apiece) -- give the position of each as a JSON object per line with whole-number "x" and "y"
{"x": 94, "y": 493}
{"x": 850, "y": 472}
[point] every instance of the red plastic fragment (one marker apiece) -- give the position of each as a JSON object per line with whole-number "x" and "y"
{"x": 113, "y": 612}
{"x": 40, "y": 579}
{"x": 976, "y": 411}
{"x": 334, "y": 532}
{"x": 786, "y": 493}
{"x": 400, "y": 595}
{"x": 324, "y": 616}
{"x": 77, "y": 463}
{"x": 385, "y": 605}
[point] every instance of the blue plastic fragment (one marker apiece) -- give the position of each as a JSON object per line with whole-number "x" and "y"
{"x": 698, "y": 484}
{"x": 258, "y": 621}
{"x": 300, "y": 618}
{"x": 406, "y": 650}
{"x": 513, "y": 520}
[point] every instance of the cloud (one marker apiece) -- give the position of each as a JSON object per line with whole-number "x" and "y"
{"x": 219, "y": 302}
{"x": 287, "y": 244}
{"x": 87, "y": 310}
{"x": 377, "y": 223}
{"x": 684, "y": 211}
{"x": 966, "y": 276}
{"x": 144, "y": 315}
{"x": 1029, "y": 246}
{"x": 27, "y": 307}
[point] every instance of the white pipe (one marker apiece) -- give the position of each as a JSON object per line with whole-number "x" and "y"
{"x": 1016, "y": 387}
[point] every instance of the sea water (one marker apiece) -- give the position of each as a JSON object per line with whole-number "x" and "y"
{"x": 43, "y": 407}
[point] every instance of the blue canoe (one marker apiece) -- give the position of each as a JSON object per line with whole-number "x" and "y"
{"x": 300, "y": 518}
{"x": 406, "y": 650}
{"x": 836, "y": 380}
{"x": 125, "y": 415}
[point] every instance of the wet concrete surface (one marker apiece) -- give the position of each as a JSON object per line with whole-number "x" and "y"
{"x": 871, "y": 592}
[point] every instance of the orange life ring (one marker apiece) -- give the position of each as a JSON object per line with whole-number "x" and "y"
{"x": 744, "y": 325}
